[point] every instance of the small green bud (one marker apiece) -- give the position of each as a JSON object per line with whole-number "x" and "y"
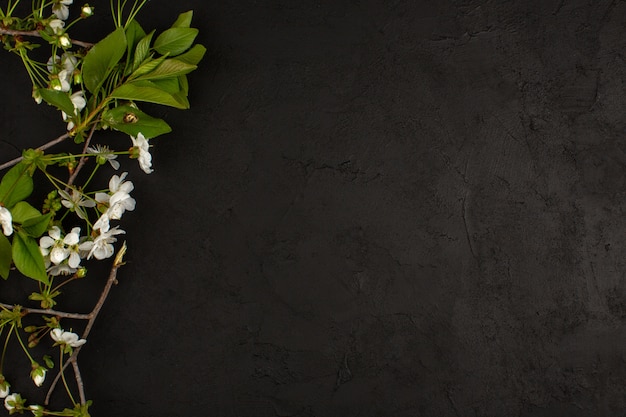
{"x": 78, "y": 77}
{"x": 81, "y": 273}
{"x": 30, "y": 329}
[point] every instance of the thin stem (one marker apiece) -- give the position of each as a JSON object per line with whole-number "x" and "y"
{"x": 67, "y": 388}
{"x": 41, "y": 148}
{"x": 19, "y": 339}
{"x": 4, "y": 350}
{"x": 35, "y": 33}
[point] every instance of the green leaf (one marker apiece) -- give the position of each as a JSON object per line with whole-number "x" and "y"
{"x": 169, "y": 68}
{"x": 171, "y": 85}
{"x": 16, "y": 185}
{"x": 27, "y": 257}
{"x": 5, "y": 256}
{"x": 175, "y": 41}
{"x": 148, "y": 65}
{"x": 193, "y": 56}
{"x": 148, "y": 92}
{"x": 183, "y": 20}
{"x": 142, "y": 50}
{"x": 149, "y": 126}
{"x": 23, "y": 211}
{"x": 58, "y": 99}
{"x": 102, "y": 58}
{"x": 184, "y": 84}
{"x": 37, "y": 226}
{"x": 134, "y": 34}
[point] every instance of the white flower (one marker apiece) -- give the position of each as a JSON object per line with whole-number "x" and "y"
{"x": 6, "y": 221}
{"x": 76, "y": 201}
{"x": 4, "y": 388}
{"x": 79, "y": 102}
{"x": 58, "y": 249}
{"x": 69, "y": 61}
{"x": 118, "y": 201}
{"x": 71, "y": 240}
{"x": 60, "y": 9}
{"x": 140, "y": 143}
{"x": 13, "y": 402}
{"x": 62, "y": 337}
{"x": 103, "y": 154}
{"x": 57, "y": 26}
{"x": 101, "y": 247}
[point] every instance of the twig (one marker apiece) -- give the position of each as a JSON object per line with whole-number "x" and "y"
{"x": 79, "y": 382}
{"x": 92, "y": 318}
{"x": 36, "y": 34}
{"x": 41, "y": 148}
{"x": 81, "y": 161}
{"x": 51, "y": 312}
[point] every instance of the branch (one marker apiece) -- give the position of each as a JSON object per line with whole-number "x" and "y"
{"x": 93, "y": 315}
{"x": 83, "y": 158}
{"x": 41, "y": 148}
{"x": 48, "y": 311}
{"x": 36, "y": 34}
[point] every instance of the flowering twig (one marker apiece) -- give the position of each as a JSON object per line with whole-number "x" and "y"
{"x": 117, "y": 263}
{"x": 36, "y": 33}
{"x": 41, "y": 148}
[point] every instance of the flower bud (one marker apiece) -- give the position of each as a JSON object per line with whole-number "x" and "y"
{"x": 30, "y": 329}
{"x": 86, "y": 11}
{"x": 37, "y": 96}
{"x": 78, "y": 77}
{"x": 56, "y": 84}
{"x": 81, "y": 273}
{"x": 4, "y": 387}
{"x": 38, "y": 374}
{"x": 37, "y": 410}
{"x": 64, "y": 41}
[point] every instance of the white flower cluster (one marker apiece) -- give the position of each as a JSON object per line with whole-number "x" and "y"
{"x": 64, "y": 253}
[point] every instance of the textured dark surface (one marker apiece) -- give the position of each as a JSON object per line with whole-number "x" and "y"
{"x": 377, "y": 208}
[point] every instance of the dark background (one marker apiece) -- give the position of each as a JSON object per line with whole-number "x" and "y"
{"x": 373, "y": 208}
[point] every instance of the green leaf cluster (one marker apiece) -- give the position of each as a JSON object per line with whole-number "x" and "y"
{"x": 22, "y": 250}
{"x": 131, "y": 66}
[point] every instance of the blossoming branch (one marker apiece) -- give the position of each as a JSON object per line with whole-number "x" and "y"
{"x": 95, "y": 86}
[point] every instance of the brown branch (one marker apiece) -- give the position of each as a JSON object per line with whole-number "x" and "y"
{"x": 41, "y": 148}
{"x": 73, "y": 359}
{"x": 36, "y": 34}
{"x": 51, "y": 312}
{"x": 81, "y": 161}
